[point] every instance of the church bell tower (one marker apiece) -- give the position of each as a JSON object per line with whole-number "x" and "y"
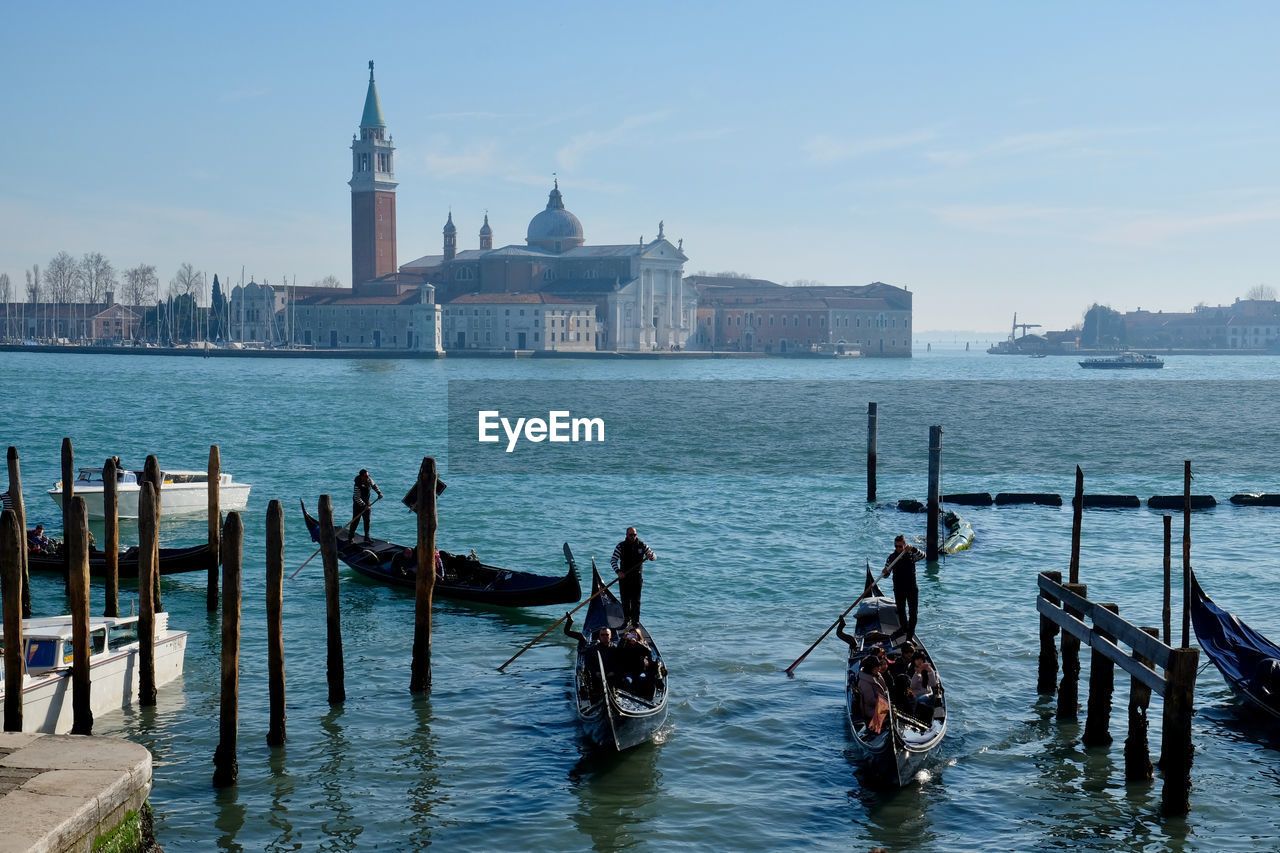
{"x": 373, "y": 195}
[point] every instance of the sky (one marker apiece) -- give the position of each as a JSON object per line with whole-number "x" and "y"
{"x": 992, "y": 158}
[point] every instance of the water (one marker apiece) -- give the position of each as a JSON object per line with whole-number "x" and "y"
{"x": 752, "y": 568}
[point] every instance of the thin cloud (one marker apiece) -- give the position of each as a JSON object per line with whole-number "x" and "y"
{"x": 1071, "y": 141}
{"x": 827, "y": 149}
{"x": 571, "y": 154}
{"x": 1150, "y": 231}
{"x": 480, "y": 159}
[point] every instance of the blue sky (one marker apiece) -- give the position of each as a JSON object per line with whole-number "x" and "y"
{"x": 990, "y": 157}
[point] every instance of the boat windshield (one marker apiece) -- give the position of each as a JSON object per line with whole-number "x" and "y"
{"x": 123, "y": 635}
{"x": 41, "y": 653}
{"x": 90, "y": 475}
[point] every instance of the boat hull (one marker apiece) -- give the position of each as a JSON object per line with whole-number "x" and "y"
{"x": 175, "y": 498}
{"x": 47, "y": 702}
{"x": 172, "y": 561}
{"x": 464, "y": 579}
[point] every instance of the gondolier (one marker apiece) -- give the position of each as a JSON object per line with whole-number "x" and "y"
{"x": 360, "y": 501}
{"x": 627, "y": 562}
{"x": 902, "y": 562}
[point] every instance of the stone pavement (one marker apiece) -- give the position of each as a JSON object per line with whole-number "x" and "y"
{"x": 59, "y": 792}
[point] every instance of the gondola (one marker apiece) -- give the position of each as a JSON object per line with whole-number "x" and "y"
{"x": 458, "y": 576}
{"x": 893, "y": 756}
{"x": 1248, "y": 661}
{"x": 615, "y": 714}
{"x": 172, "y": 561}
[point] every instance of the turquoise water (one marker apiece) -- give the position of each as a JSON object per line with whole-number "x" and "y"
{"x": 752, "y": 568}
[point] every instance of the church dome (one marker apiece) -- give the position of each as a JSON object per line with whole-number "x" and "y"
{"x": 555, "y": 228}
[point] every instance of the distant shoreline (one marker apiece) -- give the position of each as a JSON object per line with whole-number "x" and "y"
{"x": 199, "y": 352}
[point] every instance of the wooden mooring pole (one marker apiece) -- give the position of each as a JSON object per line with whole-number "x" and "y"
{"x": 68, "y": 493}
{"x": 1102, "y": 680}
{"x": 19, "y": 510}
{"x": 1168, "y": 571}
{"x": 225, "y": 767}
{"x": 151, "y": 473}
{"x": 1069, "y": 691}
{"x": 1176, "y": 749}
{"x": 1137, "y": 749}
{"x": 424, "y": 589}
{"x": 1047, "y": 678}
{"x": 13, "y": 544}
{"x": 76, "y": 542}
{"x": 935, "y": 492}
{"x": 1186, "y": 553}
{"x": 215, "y": 528}
{"x": 148, "y": 523}
{"x": 333, "y": 619}
{"x": 872, "y": 449}
{"x": 275, "y": 623}
{"x": 111, "y": 532}
{"x": 1077, "y": 521}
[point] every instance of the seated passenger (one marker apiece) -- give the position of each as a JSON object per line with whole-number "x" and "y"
{"x": 635, "y": 665}
{"x": 901, "y": 696}
{"x": 37, "y": 542}
{"x": 405, "y": 562}
{"x": 901, "y": 665}
{"x": 873, "y": 696}
{"x": 924, "y": 681}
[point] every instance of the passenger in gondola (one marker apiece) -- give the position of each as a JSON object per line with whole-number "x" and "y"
{"x": 635, "y": 665}
{"x": 873, "y": 695}
{"x": 37, "y": 542}
{"x": 924, "y": 681}
{"x": 901, "y": 696}
{"x": 902, "y": 664}
{"x": 404, "y": 563}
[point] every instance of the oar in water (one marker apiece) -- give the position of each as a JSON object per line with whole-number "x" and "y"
{"x": 848, "y": 609}
{"x": 562, "y": 618}
{"x": 350, "y": 524}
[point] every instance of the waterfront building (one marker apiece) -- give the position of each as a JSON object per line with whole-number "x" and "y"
{"x": 756, "y": 315}
{"x": 641, "y": 301}
{"x": 115, "y": 324}
{"x": 538, "y": 322}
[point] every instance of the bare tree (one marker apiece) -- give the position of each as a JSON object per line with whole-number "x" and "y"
{"x": 1262, "y": 293}
{"x": 187, "y": 282}
{"x": 141, "y": 286}
{"x": 97, "y": 276}
{"x": 33, "y": 284}
{"x": 6, "y": 289}
{"x": 61, "y": 277}
{"x": 327, "y": 281}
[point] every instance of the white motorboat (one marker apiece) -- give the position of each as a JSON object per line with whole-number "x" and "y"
{"x": 113, "y": 667}
{"x": 180, "y": 492}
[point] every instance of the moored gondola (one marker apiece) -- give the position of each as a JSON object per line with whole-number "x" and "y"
{"x": 906, "y": 738}
{"x": 1248, "y": 661}
{"x": 458, "y": 576}
{"x": 620, "y": 691}
{"x": 172, "y": 561}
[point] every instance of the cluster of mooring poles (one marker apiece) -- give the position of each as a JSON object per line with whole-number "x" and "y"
{"x": 226, "y": 540}
{"x": 1065, "y": 607}
{"x": 15, "y": 580}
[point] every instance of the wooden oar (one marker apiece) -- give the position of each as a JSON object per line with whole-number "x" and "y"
{"x": 865, "y": 593}
{"x": 318, "y": 550}
{"x": 562, "y": 618}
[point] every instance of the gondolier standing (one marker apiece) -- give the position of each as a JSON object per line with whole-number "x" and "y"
{"x": 628, "y": 562}
{"x": 360, "y": 502}
{"x": 902, "y": 562}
